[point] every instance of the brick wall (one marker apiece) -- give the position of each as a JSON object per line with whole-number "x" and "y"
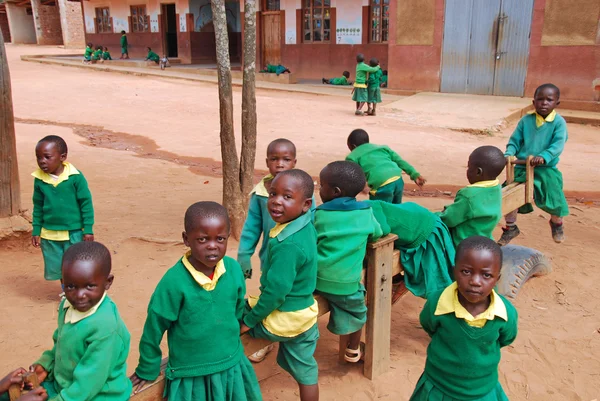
{"x": 4, "y": 27}
{"x": 47, "y": 24}
{"x": 71, "y": 18}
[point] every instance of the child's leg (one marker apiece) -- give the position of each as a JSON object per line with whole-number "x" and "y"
{"x": 52, "y": 251}
{"x": 358, "y": 106}
{"x": 374, "y": 109}
{"x": 309, "y": 393}
{"x": 511, "y": 231}
{"x": 558, "y": 231}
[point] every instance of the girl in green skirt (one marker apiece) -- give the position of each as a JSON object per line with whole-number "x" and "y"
{"x": 360, "y": 93}
{"x": 373, "y": 88}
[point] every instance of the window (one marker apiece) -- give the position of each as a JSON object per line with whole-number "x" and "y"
{"x": 380, "y": 21}
{"x": 103, "y": 21}
{"x": 316, "y": 21}
{"x": 272, "y": 5}
{"x": 139, "y": 19}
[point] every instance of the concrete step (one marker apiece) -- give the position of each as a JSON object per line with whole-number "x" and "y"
{"x": 580, "y": 116}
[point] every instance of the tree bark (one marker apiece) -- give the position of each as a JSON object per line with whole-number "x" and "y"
{"x": 10, "y": 193}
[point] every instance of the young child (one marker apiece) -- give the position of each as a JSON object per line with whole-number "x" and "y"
{"x": 344, "y": 226}
{"x": 382, "y": 166}
{"x": 106, "y": 54}
{"x": 477, "y": 208}
{"x": 373, "y": 88}
{"x": 286, "y": 311}
{"x": 124, "y": 46}
{"x": 343, "y": 80}
{"x": 468, "y": 323}
{"x": 16, "y": 377}
{"x": 164, "y": 62}
{"x": 91, "y": 343}
{"x": 542, "y": 135}
{"x": 63, "y": 213}
{"x": 87, "y": 56}
{"x": 384, "y": 79}
{"x": 97, "y": 55}
{"x": 199, "y": 303}
{"x": 360, "y": 94}
{"x": 276, "y": 69}
{"x": 151, "y": 56}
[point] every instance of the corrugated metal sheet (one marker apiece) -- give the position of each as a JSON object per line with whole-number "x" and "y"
{"x": 455, "y": 52}
{"x": 482, "y": 57}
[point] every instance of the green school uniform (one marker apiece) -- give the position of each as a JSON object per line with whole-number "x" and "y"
{"x": 360, "y": 83}
{"x": 384, "y": 79}
{"x": 124, "y": 44}
{"x": 106, "y": 56}
{"x": 338, "y": 81}
{"x": 152, "y": 56}
{"x": 373, "y": 87}
{"x": 97, "y": 55}
{"x": 88, "y": 53}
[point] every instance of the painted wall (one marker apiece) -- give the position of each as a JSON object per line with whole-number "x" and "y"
{"x": 21, "y": 25}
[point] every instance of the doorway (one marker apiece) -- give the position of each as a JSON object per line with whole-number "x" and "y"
{"x": 271, "y": 32}
{"x": 169, "y": 22}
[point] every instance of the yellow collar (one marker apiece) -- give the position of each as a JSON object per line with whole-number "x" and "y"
{"x": 260, "y": 188}
{"x": 201, "y": 278}
{"x": 539, "y": 120}
{"x": 485, "y": 184}
{"x": 72, "y": 315}
{"x": 69, "y": 170}
{"x": 275, "y": 231}
{"x": 449, "y": 303}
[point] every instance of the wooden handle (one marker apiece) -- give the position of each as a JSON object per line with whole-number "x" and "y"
{"x": 519, "y": 162}
{"x": 14, "y": 391}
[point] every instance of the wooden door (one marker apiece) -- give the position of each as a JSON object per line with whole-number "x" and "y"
{"x": 271, "y": 37}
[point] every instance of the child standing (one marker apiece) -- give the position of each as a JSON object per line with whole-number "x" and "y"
{"x": 199, "y": 303}
{"x": 286, "y": 311}
{"x": 344, "y": 226}
{"x": 373, "y": 88}
{"x": 360, "y": 94}
{"x": 63, "y": 213}
{"x": 542, "y": 135}
{"x": 106, "y": 54}
{"x": 477, "y": 208}
{"x": 124, "y": 46}
{"x": 343, "y": 80}
{"x": 151, "y": 56}
{"x": 91, "y": 343}
{"x": 382, "y": 166}
{"x": 468, "y": 323}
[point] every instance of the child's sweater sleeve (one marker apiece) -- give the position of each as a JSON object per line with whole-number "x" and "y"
{"x": 403, "y": 164}
{"x": 46, "y": 361}
{"x": 84, "y": 198}
{"x": 250, "y": 236}
{"x": 457, "y": 212}
{"x": 557, "y": 145}
{"x": 38, "y": 208}
{"x": 426, "y": 319}
{"x": 509, "y": 331}
{"x": 241, "y": 296}
{"x": 516, "y": 140}
{"x": 377, "y": 231}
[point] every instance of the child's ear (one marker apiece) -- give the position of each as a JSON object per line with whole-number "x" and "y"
{"x": 294, "y": 163}
{"x": 557, "y": 102}
{"x": 479, "y": 171}
{"x": 185, "y": 239}
{"x": 307, "y": 205}
{"x": 63, "y": 157}
{"x": 337, "y": 192}
{"x": 109, "y": 281}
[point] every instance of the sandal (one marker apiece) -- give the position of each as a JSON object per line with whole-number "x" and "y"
{"x": 354, "y": 355}
{"x": 399, "y": 291}
{"x": 359, "y": 113}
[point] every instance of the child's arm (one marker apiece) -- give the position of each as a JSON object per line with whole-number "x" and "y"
{"x": 516, "y": 140}
{"x": 84, "y": 198}
{"x": 509, "y": 332}
{"x": 14, "y": 377}
{"x": 457, "y": 212}
{"x": 250, "y": 236}
{"x": 406, "y": 167}
{"x": 557, "y": 145}
{"x": 426, "y": 319}
{"x": 377, "y": 231}
{"x": 38, "y": 208}
{"x": 241, "y": 298}
{"x": 45, "y": 364}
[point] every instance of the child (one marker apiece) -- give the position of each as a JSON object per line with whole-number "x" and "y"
{"x": 199, "y": 303}
{"x": 343, "y": 80}
{"x": 106, "y": 54}
{"x": 16, "y": 377}
{"x": 63, "y": 213}
{"x": 286, "y": 311}
{"x": 276, "y": 69}
{"x": 87, "y": 56}
{"x": 164, "y": 62}
{"x": 343, "y": 228}
{"x": 468, "y": 323}
{"x": 360, "y": 94}
{"x": 477, "y": 208}
{"x": 542, "y": 135}
{"x": 124, "y": 46}
{"x": 91, "y": 343}
{"x": 384, "y": 79}
{"x": 152, "y": 56}
{"x": 382, "y": 166}
{"x": 373, "y": 88}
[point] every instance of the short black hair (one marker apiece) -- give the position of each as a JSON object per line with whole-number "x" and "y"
{"x": 122, "y": 32}
{"x": 547, "y": 86}
{"x": 346, "y": 74}
{"x": 281, "y": 141}
{"x": 360, "y": 58}
{"x": 307, "y": 185}
{"x": 479, "y": 243}
{"x": 348, "y": 176}
{"x": 204, "y": 210}
{"x": 374, "y": 62}
{"x": 106, "y": 47}
{"x": 358, "y": 137}
{"x": 89, "y": 251}
{"x": 90, "y": 44}
{"x": 490, "y": 159}
{"x": 60, "y": 143}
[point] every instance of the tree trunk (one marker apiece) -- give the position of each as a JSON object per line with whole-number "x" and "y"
{"x": 10, "y": 195}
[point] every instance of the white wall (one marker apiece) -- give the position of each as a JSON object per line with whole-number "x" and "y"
{"x": 22, "y": 28}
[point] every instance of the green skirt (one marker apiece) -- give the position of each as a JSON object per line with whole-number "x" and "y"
{"x": 428, "y": 268}
{"x": 427, "y": 391}
{"x": 238, "y": 383}
{"x": 548, "y": 192}
{"x": 360, "y": 95}
{"x": 374, "y": 94}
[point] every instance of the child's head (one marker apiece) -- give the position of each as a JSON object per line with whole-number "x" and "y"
{"x": 86, "y": 274}
{"x": 485, "y": 163}
{"x": 360, "y": 58}
{"x": 206, "y": 233}
{"x": 149, "y": 49}
{"x": 546, "y": 98}
{"x": 90, "y": 45}
{"x": 98, "y": 47}
{"x": 356, "y": 138}
{"x": 51, "y": 152}
{"x": 374, "y": 62}
{"x": 290, "y": 195}
{"x": 281, "y": 156}
{"x": 346, "y": 74}
{"x": 341, "y": 179}
{"x": 122, "y": 32}
{"x": 477, "y": 268}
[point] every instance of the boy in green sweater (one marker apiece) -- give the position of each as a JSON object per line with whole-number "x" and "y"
{"x": 199, "y": 303}
{"x": 106, "y": 54}
{"x": 468, "y": 323}
{"x": 382, "y": 166}
{"x": 286, "y": 311}
{"x": 151, "y": 56}
{"x": 16, "y": 377}
{"x": 344, "y": 226}
{"x": 360, "y": 94}
{"x": 63, "y": 213}
{"x": 124, "y": 46}
{"x": 373, "y": 88}
{"x": 91, "y": 343}
{"x": 341, "y": 81}
{"x": 97, "y": 55}
{"x": 542, "y": 135}
{"x": 477, "y": 208}
{"x": 87, "y": 56}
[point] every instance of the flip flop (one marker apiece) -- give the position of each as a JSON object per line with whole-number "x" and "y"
{"x": 357, "y": 354}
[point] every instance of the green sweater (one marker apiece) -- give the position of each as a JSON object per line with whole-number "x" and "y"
{"x": 289, "y": 277}
{"x": 361, "y": 73}
{"x": 462, "y": 361}
{"x": 475, "y": 211}
{"x": 88, "y": 52}
{"x": 97, "y": 55}
{"x": 88, "y": 360}
{"x": 68, "y": 206}
{"x": 123, "y": 41}
{"x": 380, "y": 163}
{"x": 374, "y": 79}
{"x": 547, "y": 141}
{"x": 152, "y": 56}
{"x": 338, "y": 81}
{"x": 106, "y": 56}
{"x": 343, "y": 228}
{"x": 203, "y": 330}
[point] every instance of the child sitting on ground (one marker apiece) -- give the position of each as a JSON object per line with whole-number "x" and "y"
{"x": 87, "y": 56}
{"x": 151, "y": 56}
{"x": 542, "y": 135}
{"x": 97, "y": 55}
{"x": 16, "y": 377}
{"x": 275, "y": 69}
{"x": 124, "y": 46}
{"x": 63, "y": 213}
{"x": 382, "y": 166}
{"x": 91, "y": 343}
{"x": 373, "y": 88}
{"x": 477, "y": 208}
{"x": 199, "y": 303}
{"x": 360, "y": 94}
{"x": 343, "y": 80}
{"x": 106, "y": 54}
{"x": 468, "y": 323}
{"x": 343, "y": 228}
{"x": 286, "y": 311}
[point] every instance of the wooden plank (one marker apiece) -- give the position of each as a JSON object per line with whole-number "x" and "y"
{"x": 529, "y": 181}
{"x": 513, "y": 199}
{"x": 396, "y": 265}
{"x": 510, "y": 169}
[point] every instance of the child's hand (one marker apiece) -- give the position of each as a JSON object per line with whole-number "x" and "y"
{"x": 37, "y": 394}
{"x": 14, "y": 377}
{"x": 40, "y": 372}
{"x": 35, "y": 241}
{"x": 136, "y": 381}
{"x": 88, "y": 237}
{"x": 536, "y": 161}
{"x": 420, "y": 181}
{"x": 244, "y": 328}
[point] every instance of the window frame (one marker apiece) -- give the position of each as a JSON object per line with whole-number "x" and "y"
{"x": 134, "y": 26}
{"x": 379, "y": 28}
{"x": 103, "y": 26}
{"x": 326, "y": 14}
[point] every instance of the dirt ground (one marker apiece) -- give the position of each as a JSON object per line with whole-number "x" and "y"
{"x": 149, "y": 148}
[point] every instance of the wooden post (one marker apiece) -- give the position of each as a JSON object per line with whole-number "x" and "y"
{"x": 529, "y": 180}
{"x": 510, "y": 170}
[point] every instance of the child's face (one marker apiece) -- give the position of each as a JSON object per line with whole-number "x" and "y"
{"x": 280, "y": 158}
{"x": 545, "y": 101}
{"x": 207, "y": 242}
{"x": 49, "y": 159}
{"x": 286, "y": 200}
{"x": 476, "y": 272}
{"x": 85, "y": 283}
{"x": 326, "y": 191}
